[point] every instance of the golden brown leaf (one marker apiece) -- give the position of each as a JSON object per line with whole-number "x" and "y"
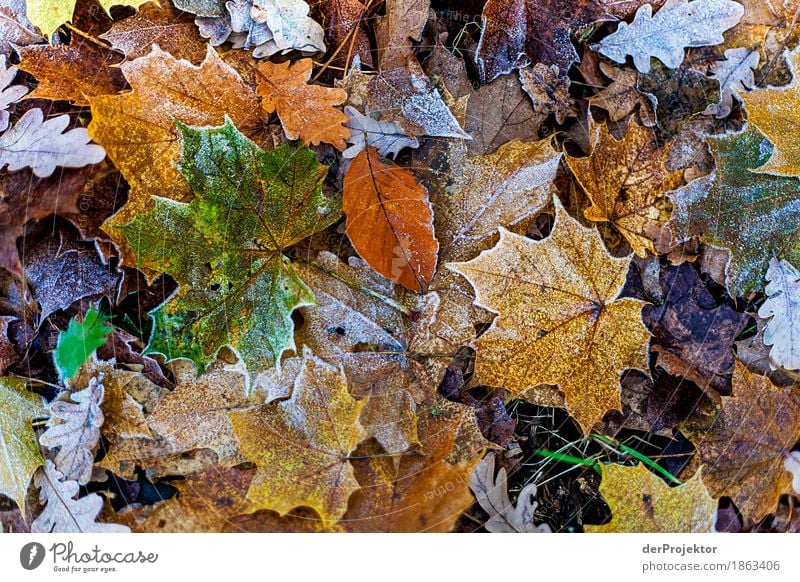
{"x": 390, "y": 220}
{"x": 641, "y": 502}
{"x": 560, "y": 318}
{"x": 622, "y": 96}
{"x": 306, "y": 111}
{"x": 743, "y": 453}
{"x": 626, "y": 181}
{"x": 548, "y": 91}
{"x": 302, "y": 445}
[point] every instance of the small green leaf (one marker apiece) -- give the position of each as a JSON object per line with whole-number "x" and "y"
{"x": 225, "y": 248}
{"x": 79, "y": 341}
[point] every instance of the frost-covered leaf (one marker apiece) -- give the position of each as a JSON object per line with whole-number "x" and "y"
{"x": 43, "y": 145}
{"x": 385, "y": 136}
{"x": 782, "y": 308}
{"x": 48, "y": 15}
{"x": 492, "y": 494}
{"x": 21, "y": 456}
{"x": 734, "y": 74}
{"x": 290, "y": 25}
{"x": 74, "y": 429}
{"x": 678, "y": 25}
{"x": 63, "y": 513}
{"x": 15, "y": 28}
{"x": 548, "y": 91}
{"x": 8, "y": 93}
{"x": 792, "y": 464}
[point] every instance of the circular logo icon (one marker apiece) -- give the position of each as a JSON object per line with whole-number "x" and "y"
{"x": 31, "y": 555}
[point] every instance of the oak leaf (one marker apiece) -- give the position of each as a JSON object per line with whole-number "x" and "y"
{"x": 642, "y": 503}
{"x": 622, "y": 96}
{"x": 306, "y": 111}
{"x": 743, "y": 452}
{"x": 385, "y": 136}
{"x": 626, "y": 181}
{"x": 9, "y": 93}
{"x": 21, "y": 457}
{"x": 548, "y": 91}
{"x": 43, "y": 145}
{"x": 773, "y": 112}
{"x": 711, "y": 208}
{"x": 734, "y": 74}
{"x": 64, "y": 514}
{"x": 782, "y": 309}
{"x": 677, "y": 25}
{"x": 390, "y": 220}
{"x": 226, "y": 247}
{"x": 302, "y": 445}
{"x": 560, "y": 320}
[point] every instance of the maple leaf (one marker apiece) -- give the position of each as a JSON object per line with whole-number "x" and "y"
{"x": 301, "y": 445}
{"x": 74, "y": 429}
{"x": 138, "y": 128}
{"x": 679, "y": 24}
{"x": 782, "y": 308}
{"x": 692, "y": 333}
{"x": 8, "y": 93}
{"x": 225, "y": 248}
{"x": 625, "y": 181}
{"x": 79, "y": 341}
{"x": 385, "y": 136}
{"x": 641, "y": 502}
{"x": 734, "y": 74}
{"x": 622, "y": 97}
{"x": 560, "y": 320}
{"x": 49, "y": 15}
{"x": 306, "y": 111}
{"x": 163, "y": 25}
{"x": 21, "y": 457}
{"x": 71, "y": 72}
{"x": 390, "y": 220}
{"x": 519, "y": 32}
{"x": 41, "y": 145}
{"x": 743, "y": 452}
{"x": 193, "y": 416}
{"x": 711, "y": 208}
{"x": 63, "y": 513}
{"x": 492, "y": 494}
{"x": 773, "y": 112}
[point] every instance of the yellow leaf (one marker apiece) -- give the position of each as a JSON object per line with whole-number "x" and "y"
{"x": 560, "y": 318}
{"x": 626, "y": 181}
{"x": 301, "y": 445}
{"x": 641, "y": 502}
{"x": 775, "y": 113}
{"x": 48, "y": 15}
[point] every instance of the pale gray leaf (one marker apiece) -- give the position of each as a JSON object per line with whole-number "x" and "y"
{"x": 63, "y": 513}
{"x": 792, "y": 464}
{"x": 41, "y": 145}
{"x": 783, "y": 307}
{"x": 8, "y": 93}
{"x": 734, "y": 74}
{"x": 679, "y": 24}
{"x": 290, "y": 25}
{"x": 15, "y": 28}
{"x": 386, "y": 136}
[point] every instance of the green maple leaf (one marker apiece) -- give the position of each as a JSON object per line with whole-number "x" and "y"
{"x": 79, "y": 341}
{"x": 754, "y": 215}
{"x": 225, "y": 248}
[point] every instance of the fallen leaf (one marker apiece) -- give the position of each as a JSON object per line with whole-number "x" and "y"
{"x": 390, "y": 220}
{"x": 15, "y": 28}
{"x": 792, "y": 464}
{"x": 62, "y": 512}
{"x": 782, "y": 309}
{"x": 560, "y": 318}
{"x": 678, "y": 25}
{"x": 49, "y": 15}
{"x": 43, "y": 145}
{"x": 622, "y": 97}
{"x": 74, "y": 429}
{"x": 302, "y": 445}
{"x": 734, "y": 74}
{"x": 306, "y": 111}
{"x": 519, "y": 32}
{"x": 385, "y": 136}
{"x": 625, "y": 181}
{"x": 743, "y": 452}
{"x": 711, "y": 208}
{"x": 21, "y": 458}
{"x": 72, "y": 72}
{"x": 403, "y": 22}
{"x": 9, "y": 93}
{"x": 492, "y": 494}
{"x": 548, "y": 91}
{"x": 78, "y": 342}
{"x": 641, "y": 502}
{"x": 225, "y": 248}
{"x": 8, "y": 355}
{"x": 344, "y": 26}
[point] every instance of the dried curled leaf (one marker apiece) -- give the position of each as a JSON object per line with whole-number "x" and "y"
{"x": 74, "y": 429}
{"x": 782, "y": 308}
{"x": 560, "y": 318}
{"x": 62, "y": 512}
{"x": 390, "y": 220}
{"x": 43, "y": 145}
{"x": 492, "y": 495}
